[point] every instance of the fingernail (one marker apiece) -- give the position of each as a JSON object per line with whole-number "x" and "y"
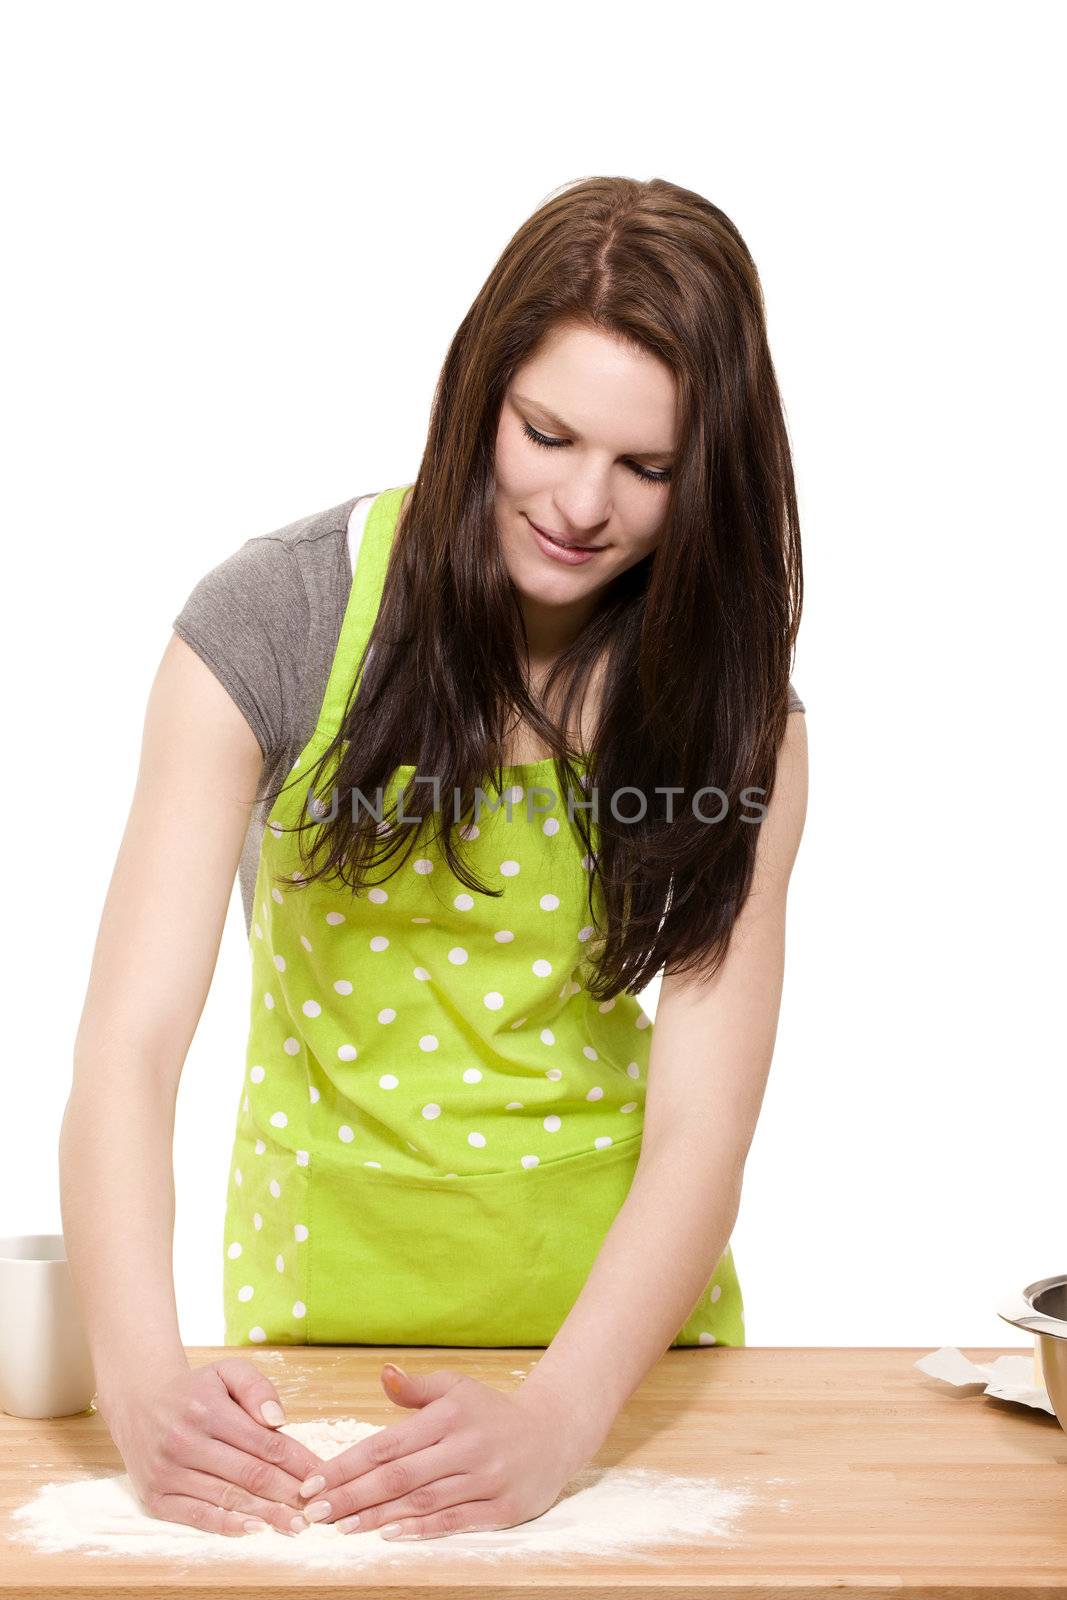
{"x": 320, "y": 1509}
{"x": 297, "y": 1524}
{"x": 272, "y": 1412}
{"x": 256, "y": 1525}
{"x": 313, "y": 1485}
{"x": 347, "y": 1524}
{"x": 389, "y": 1530}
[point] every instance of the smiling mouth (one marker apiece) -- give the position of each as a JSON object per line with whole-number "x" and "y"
{"x": 564, "y": 544}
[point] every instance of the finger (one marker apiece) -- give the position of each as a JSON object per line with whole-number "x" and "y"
{"x": 410, "y": 1475}
{"x": 237, "y": 1465}
{"x": 252, "y": 1390}
{"x": 417, "y": 1388}
{"x": 380, "y": 1450}
{"x": 292, "y": 1463}
{"x": 229, "y": 1496}
{"x": 425, "y": 1501}
{"x": 198, "y": 1514}
{"x": 471, "y": 1516}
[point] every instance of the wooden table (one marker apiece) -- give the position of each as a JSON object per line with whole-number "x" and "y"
{"x": 892, "y": 1480}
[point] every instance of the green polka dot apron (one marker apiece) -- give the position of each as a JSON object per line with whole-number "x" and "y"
{"x": 437, "y": 1124}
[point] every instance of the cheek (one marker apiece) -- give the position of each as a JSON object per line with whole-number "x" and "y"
{"x": 651, "y": 541}
{"x": 520, "y": 469}
{"x": 507, "y": 461}
{"x": 638, "y": 546}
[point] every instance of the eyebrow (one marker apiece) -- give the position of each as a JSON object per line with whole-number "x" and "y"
{"x": 565, "y": 427}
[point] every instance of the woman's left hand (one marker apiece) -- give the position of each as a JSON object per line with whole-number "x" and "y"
{"x": 473, "y": 1458}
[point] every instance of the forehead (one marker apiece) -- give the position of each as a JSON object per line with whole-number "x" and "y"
{"x": 591, "y": 383}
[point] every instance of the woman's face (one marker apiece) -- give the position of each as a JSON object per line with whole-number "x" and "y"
{"x": 608, "y": 413}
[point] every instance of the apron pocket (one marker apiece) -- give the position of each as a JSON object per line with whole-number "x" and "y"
{"x": 496, "y": 1259}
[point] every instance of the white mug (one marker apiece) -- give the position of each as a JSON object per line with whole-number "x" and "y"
{"x": 45, "y": 1366}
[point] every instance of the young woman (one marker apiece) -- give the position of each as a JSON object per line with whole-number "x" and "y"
{"x": 521, "y": 738}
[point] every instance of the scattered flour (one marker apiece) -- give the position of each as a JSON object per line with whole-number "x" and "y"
{"x": 601, "y": 1511}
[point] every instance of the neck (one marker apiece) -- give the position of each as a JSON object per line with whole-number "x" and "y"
{"x": 550, "y": 629}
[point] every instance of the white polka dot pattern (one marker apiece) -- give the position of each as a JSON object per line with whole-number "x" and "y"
{"x": 417, "y": 1033}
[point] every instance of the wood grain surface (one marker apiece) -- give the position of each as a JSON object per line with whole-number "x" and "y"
{"x": 866, "y": 1475}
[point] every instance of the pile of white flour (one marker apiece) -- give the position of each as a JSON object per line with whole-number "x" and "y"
{"x": 601, "y": 1511}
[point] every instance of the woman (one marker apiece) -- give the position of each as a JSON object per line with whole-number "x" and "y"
{"x": 526, "y": 775}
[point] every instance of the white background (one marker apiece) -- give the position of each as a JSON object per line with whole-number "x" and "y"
{"x": 240, "y": 238}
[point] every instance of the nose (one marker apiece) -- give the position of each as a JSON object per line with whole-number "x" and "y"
{"x": 581, "y": 510}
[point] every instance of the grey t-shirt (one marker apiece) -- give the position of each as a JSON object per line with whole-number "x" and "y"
{"x": 266, "y": 621}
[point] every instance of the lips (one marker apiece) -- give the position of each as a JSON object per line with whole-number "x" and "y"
{"x": 557, "y": 538}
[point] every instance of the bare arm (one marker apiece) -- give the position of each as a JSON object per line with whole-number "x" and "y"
{"x": 708, "y": 1069}
{"x": 152, "y": 966}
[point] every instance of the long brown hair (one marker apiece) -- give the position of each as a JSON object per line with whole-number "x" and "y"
{"x": 695, "y": 641}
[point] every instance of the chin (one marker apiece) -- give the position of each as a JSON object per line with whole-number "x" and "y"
{"x": 552, "y": 588}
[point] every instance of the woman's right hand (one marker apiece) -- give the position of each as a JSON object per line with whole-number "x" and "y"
{"x": 195, "y": 1454}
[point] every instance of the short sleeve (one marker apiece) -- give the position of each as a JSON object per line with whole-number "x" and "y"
{"x": 795, "y": 703}
{"x": 248, "y": 620}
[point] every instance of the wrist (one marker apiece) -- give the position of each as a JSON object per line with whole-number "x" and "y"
{"x": 583, "y": 1427}
{"x": 116, "y": 1386}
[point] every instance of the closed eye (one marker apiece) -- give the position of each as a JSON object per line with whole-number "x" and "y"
{"x": 546, "y": 443}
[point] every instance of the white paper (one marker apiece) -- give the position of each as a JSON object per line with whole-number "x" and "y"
{"x": 1008, "y": 1377}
